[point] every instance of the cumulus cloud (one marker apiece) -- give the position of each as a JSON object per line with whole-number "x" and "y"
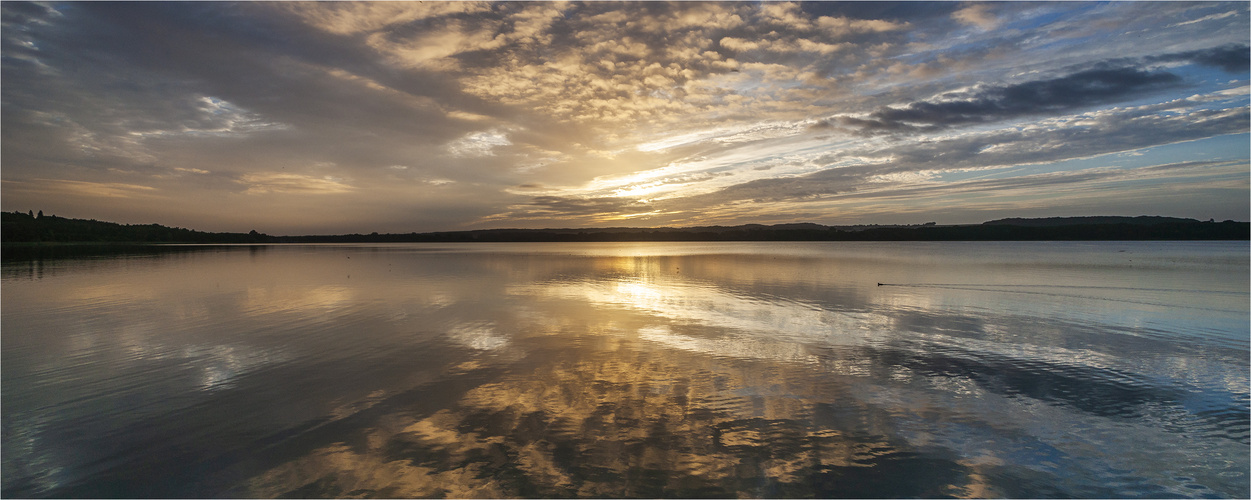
{"x": 346, "y": 18}
{"x": 553, "y": 112}
{"x": 977, "y": 14}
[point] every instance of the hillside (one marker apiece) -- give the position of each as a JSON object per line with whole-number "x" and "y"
{"x": 1142, "y": 220}
{"x": 18, "y": 227}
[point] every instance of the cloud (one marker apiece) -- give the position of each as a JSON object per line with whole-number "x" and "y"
{"x": 213, "y": 116}
{"x": 1231, "y": 58}
{"x": 1054, "y": 185}
{"x": 431, "y": 48}
{"x": 1212, "y": 17}
{"x": 728, "y": 179}
{"x": 842, "y": 26}
{"x": 996, "y": 102}
{"x": 1070, "y": 137}
{"x": 747, "y": 108}
{"x": 738, "y": 44}
{"x": 977, "y": 14}
{"x": 786, "y": 14}
{"x": 277, "y": 182}
{"x": 346, "y": 18}
{"x": 1062, "y": 138}
{"x": 782, "y": 189}
{"x": 61, "y": 187}
{"x": 540, "y": 207}
{"x": 478, "y": 144}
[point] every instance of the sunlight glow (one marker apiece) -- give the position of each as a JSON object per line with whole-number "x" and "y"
{"x": 555, "y": 114}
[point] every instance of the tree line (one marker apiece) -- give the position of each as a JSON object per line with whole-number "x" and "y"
{"x": 18, "y": 227}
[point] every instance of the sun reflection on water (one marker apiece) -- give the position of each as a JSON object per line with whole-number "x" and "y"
{"x": 619, "y": 370}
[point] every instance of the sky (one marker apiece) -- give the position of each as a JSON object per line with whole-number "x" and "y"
{"x": 343, "y": 117}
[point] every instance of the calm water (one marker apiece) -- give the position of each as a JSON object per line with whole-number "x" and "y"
{"x": 1111, "y": 369}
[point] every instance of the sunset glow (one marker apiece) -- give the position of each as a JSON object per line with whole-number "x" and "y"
{"x": 336, "y": 117}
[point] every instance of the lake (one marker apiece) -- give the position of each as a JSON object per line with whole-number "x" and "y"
{"x": 1016, "y": 369}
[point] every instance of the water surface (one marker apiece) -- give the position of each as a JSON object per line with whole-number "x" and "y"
{"x": 1108, "y": 369}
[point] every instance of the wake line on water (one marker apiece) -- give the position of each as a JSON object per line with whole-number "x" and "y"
{"x": 950, "y": 285}
{"x": 1005, "y": 288}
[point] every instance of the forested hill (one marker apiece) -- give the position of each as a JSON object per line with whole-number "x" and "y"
{"x": 20, "y": 227}
{"x": 1142, "y": 220}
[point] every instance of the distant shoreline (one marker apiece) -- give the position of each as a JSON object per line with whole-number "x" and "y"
{"x": 23, "y": 229}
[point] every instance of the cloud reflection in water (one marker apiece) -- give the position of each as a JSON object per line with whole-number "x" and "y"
{"x": 642, "y": 370}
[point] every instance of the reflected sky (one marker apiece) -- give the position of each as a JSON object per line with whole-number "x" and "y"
{"x": 749, "y": 369}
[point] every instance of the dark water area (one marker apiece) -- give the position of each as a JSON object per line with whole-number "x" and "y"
{"x": 1026, "y": 369}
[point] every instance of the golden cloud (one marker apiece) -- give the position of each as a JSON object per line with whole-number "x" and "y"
{"x": 63, "y": 187}
{"x": 346, "y": 18}
{"x": 277, "y": 182}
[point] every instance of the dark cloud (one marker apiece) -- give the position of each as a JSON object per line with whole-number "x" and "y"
{"x": 1107, "y": 133}
{"x": 1106, "y": 82}
{"x": 1231, "y": 58}
{"x": 989, "y": 103}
